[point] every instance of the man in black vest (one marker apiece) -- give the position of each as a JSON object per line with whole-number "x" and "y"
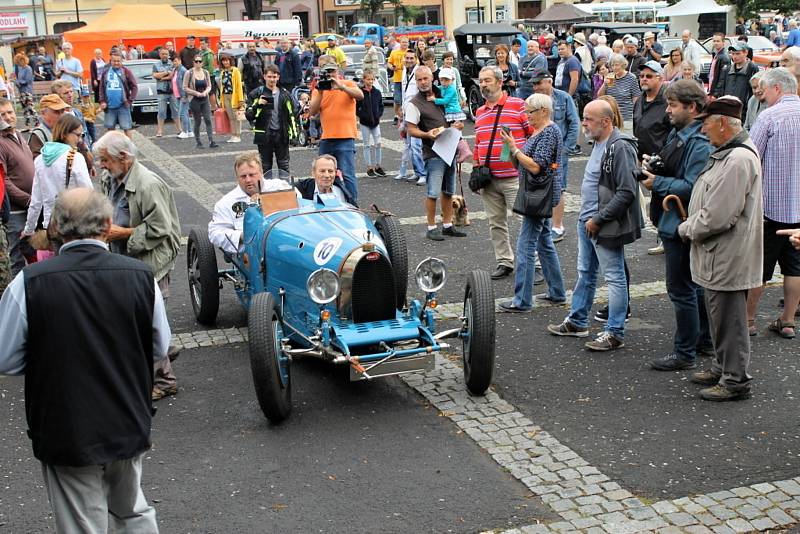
{"x": 84, "y": 328}
{"x": 425, "y": 121}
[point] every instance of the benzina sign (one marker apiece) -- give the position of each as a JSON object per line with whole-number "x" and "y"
{"x": 13, "y": 21}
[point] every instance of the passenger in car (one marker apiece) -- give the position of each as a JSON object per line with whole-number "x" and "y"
{"x": 325, "y": 182}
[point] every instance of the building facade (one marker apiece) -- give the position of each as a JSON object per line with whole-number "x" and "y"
{"x": 338, "y": 15}
{"x": 21, "y": 18}
{"x": 306, "y": 11}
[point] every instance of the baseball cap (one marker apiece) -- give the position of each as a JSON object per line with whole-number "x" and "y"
{"x": 446, "y": 73}
{"x": 727, "y": 105}
{"x": 53, "y": 102}
{"x": 540, "y": 74}
{"x": 738, "y": 46}
{"x": 653, "y": 65}
{"x": 632, "y": 41}
{"x": 331, "y": 38}
{"x": 84, "y": 90}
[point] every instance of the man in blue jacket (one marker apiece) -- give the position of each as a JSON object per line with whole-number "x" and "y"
{"x": 565, "y": 115}
{"x": 684, "y": 155}
{"x": 289, "y": 63}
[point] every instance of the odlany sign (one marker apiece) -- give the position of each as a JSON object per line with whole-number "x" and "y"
{"x": 13, "y": 21}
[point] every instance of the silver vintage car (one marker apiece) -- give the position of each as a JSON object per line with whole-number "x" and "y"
{"x": 146, "y": 100}
{"x": 355, "y": 68}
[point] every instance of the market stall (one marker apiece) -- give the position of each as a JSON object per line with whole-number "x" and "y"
{"x": 150, "y": 25}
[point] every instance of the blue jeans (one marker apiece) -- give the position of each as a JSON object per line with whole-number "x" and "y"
{"x": 120, "y": 115}
{"x": 344, "y": 150}
{"x": 591, "y": 258}
{"x": 418, "y": 164}
{"x": 183, "y": 113}
{"x": 564, "y": 170}
{"x": 534, "y": 236}
{"x": 441, "y": 178}
{"x": 14, "y": 227}
{"x": 688, "y": 301}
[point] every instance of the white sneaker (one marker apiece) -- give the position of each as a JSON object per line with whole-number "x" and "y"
{"x": 191, "y": 134}
{"x": 234, "y": 140}
{"x": 183, "y": 135}
{"x": 422, "y": 181}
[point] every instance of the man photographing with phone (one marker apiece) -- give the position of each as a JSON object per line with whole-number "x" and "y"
{"x": 425, "y": 120}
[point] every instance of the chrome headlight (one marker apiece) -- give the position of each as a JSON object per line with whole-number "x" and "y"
{"x": 323, "y": 286}
{"x": 430, "y": 275}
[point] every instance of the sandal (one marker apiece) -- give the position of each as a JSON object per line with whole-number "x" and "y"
{"x": 785, "y": 330}
{"x": 751, "y": 328}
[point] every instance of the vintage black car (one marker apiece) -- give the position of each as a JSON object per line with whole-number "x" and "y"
{"x": 476, "y": 44}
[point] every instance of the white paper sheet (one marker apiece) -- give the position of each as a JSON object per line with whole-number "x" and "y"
{"x": 446, "y": 144}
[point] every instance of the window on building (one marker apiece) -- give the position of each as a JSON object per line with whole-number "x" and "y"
{"x": 269, "y": 15}
{"x": 475, "y": 15}
{"x": 500, "y": 14}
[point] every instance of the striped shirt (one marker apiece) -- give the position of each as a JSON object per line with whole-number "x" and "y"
{"x": 513, "y": 115}
{"x": 776, "y": 134}
{"x": 624, "y": 90}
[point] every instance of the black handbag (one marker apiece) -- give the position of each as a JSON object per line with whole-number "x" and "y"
{"x": 535, "y": 198}
{"x": 481, "y": 175}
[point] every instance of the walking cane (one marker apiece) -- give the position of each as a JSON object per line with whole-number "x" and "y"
{"x": 676, "y": 198}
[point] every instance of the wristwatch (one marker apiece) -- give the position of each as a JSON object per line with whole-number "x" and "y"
{"x": 514, "y": 154}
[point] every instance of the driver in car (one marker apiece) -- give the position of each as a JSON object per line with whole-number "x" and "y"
{"x": 225, "y": 228}
{"x": 326, "y": 182}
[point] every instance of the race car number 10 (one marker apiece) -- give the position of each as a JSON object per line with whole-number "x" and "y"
{"x": 326, "y": 249}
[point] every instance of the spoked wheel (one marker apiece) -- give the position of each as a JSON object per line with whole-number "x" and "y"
{"x": 478, "y": 330}
{"x": 201, "y": 267}
{"x": 302, "y": 138}
{"x": 270, "y": 366}
{"x": 474, "y": 100}
{"x": 395, "y": 241}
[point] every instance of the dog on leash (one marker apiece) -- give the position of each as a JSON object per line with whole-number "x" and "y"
{"x": 460, "y": 213}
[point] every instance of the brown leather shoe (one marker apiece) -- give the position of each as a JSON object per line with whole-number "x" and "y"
{"x": 159, "y": 393}
{"x": 705, "y": 378}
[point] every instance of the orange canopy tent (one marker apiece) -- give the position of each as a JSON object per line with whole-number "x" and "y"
{"x": 150, "y": 25}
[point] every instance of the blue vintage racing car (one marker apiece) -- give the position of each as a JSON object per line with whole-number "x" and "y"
{"x": 328, "y": 280}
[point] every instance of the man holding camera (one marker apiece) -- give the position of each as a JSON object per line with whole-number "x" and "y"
{"x": 273, "y": 112}
{"x": 334, "y": 99}
{"x": 680, "y": 163}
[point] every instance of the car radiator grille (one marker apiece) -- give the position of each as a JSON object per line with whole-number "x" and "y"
{"x": 373, "y": 291}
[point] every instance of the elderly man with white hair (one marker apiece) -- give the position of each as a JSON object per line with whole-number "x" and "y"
{"x": 144, "y": 225}
{"x": 602, "y": 50}
{"x": 691, "y": 50}
{"x": 791, "y": 60}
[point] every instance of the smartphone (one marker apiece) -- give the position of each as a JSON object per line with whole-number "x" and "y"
{"x": 506, "y": 129}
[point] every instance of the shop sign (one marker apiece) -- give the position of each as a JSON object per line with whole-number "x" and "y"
{"x": 13, "y": 21}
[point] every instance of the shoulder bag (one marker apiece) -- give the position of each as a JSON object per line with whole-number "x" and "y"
{"x": 45, "y": 239}
{"x": 481, "y": 176}
{"x": 535, "y": 198}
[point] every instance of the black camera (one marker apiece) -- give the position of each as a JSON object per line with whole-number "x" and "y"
{"x": 655, "y": 165}
{"x": 325, "y": 76}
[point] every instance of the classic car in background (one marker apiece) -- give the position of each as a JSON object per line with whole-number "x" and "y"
{"x": 146, "y": 100}
{"x": 326, "y": 280}
{"x": 355, "y": 68}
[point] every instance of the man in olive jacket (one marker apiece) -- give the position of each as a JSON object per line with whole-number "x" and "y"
{"x": 146, "y": 225}
{"x": 725, "y": 226}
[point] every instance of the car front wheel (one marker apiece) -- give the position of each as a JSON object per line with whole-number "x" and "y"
{"x": 271, "y": 367}
{"x": 478, "y": 332}
{"x": 201, "y": 268}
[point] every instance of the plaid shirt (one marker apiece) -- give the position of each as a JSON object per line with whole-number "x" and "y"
{"x": 513, "y": 116}
{"x": 776, "y": 134}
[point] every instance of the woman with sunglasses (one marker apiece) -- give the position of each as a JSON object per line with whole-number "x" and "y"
{"x": 198, "y": 85}
{"x": 59, "y": 166}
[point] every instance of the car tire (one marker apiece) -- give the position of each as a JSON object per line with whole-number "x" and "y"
{"x": 201, "y": 269}
{"x": 395, "y": 240}
{"x": 478, "y": 335}
{"x": 271, "y": 368}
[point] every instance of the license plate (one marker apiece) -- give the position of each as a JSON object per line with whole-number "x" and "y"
{"x": 149, "y": 109}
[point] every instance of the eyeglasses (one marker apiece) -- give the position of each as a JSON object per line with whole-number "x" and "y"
{"x": 198, "y": 60}
{"x": 79, "y": 134}
{"x": 534, "y": 110}
{"x": 648, "y": 76}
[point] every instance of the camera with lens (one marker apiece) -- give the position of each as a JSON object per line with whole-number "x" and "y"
{"x": 325, "y": 77}
{"x": 655, "y": 165}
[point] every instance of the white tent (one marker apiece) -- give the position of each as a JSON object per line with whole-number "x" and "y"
{"x": 693, "y": 7}
{"x": 684, "y": 15}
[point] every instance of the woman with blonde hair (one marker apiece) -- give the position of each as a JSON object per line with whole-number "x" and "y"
{"x": 617, "y": 120}
{"x": 672, "y": 70}
{"x": 24, "y": 82}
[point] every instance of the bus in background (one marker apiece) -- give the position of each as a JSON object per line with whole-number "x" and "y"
{"x": 630, "y": 12}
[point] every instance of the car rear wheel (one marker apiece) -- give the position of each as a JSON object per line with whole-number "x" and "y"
{"x": 271, "y": 367}
{"x": 474, "y": 100}
{"x": 478, "y": 332}
{"x": 395, "y": 241}
{"x": 201, "y": 267}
